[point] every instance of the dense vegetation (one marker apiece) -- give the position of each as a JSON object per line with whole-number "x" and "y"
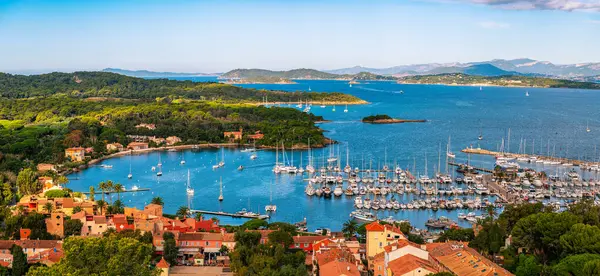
{"x": 110, "y": 255}
{"x": 110, "y": 85}
{"x": 300, "y": 74}
{"x": 377, "y": 117}
{"x": 263, "y": 79}
{"x": 543, "y": 242}
{"x": 463, "y": 79}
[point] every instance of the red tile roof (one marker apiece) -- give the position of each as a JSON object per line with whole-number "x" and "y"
{"x": 308, "y": 239}
{"x": 400, "y": 244}
{"x": 374, "y": 226}
{"x": 229, "y": 237}
{"x": 162, "y": 263}
{"x": 408, "y": 263}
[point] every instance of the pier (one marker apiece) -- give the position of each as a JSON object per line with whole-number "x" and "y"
{"x": 123, "y": 191}
{"x": 233, "y": 215}
{"x": 574, "y": 162}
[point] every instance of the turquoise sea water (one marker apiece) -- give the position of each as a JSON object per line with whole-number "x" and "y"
{"x": 557, "y": 117}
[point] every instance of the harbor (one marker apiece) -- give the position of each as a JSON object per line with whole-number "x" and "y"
{"x": 249, "y": 176}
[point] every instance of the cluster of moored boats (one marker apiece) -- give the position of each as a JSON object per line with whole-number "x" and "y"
{"x": 429, "y": 203}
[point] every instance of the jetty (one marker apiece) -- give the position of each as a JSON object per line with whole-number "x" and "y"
{"x": 233, "y": 215}
{"x": 562, "y": 160}
{"x": 123, "y": 191}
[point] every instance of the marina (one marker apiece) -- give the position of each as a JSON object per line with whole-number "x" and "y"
{"x": 465, "y": 113}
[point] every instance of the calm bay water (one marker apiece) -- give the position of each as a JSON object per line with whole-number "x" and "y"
{"x": 557, "y": 117}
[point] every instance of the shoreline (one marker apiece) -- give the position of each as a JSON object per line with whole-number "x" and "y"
{"x": 327, "y": 103}
{"x": 493, "y": 85}
{"x": 188, "y": 147}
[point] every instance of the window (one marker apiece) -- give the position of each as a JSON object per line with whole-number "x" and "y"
{"x": 206, "y": 243}
{"x": 306, "y": 245}
{"x": 296, "y": 245}
{"x": 380, "y": 244}
{"x": 217, "y": 244}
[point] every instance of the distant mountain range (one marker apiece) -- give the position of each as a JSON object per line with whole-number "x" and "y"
{"x": 522, "y": 66}
{"x": 146, "y": 73}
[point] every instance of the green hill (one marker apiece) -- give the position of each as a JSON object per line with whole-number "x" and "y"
{"x": 300, "y": 74}
{"x": 111, "y": 85}
{"x": 518, "y": 81}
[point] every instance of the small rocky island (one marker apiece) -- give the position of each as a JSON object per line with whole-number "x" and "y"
{"x": 385, "y": 119}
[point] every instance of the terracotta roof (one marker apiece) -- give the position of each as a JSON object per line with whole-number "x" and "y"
{"x": 462, "y": 260}
{"x": 308, "y": 239}
{"x": 37, "y": 243}
{"x": 4, "y": 264}
{"x": 4, "y": 244}
{"x": 400, "y": 244}
{"x": 99, "y": 219}
{"x": 120, "y": 219}
{"x": 77, "y": 148}
{"x": 162, "y": 263}
{"x": 408, "y": 263}
{"x": 200, "y": 236}
{"x": 338, "y": 267}
{"x": 393, "y": 229}
{"x": 67, "y": 202}
{"x": 79, "y": 215}
{"x": 374, "y": 226}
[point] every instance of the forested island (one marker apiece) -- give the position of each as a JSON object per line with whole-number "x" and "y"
{"x": 42, "y": 115}
{"x": 261, "y": 80}
{"x": 385, "y": 119}
{"x": 510, "y": 80}
{"x": 301, "y": 74}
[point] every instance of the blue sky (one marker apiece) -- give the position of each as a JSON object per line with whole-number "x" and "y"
{"x": 216, "y": 36}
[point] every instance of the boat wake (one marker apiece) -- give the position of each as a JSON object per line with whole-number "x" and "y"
{"x": 379, "y": 90}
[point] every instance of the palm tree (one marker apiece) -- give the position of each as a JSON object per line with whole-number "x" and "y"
{"x": 183, "y": 211}
{"x": 349, "y": 228}
{"x": 118, "y": 189}
{"x": 199, "y": 216}
{"x": 62, "y": 180}
{"x": 92, "y": 193}
{"x": 110, "y": 187}
{"x": 118, "y": 207}
{"x": 157, "y": 200}
{"x": 48, "y": 207}
{"x": 102, "y": 186}
{"x": 101, "y": 203}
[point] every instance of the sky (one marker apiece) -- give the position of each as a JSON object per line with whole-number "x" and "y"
{"x": 220, "y": 35}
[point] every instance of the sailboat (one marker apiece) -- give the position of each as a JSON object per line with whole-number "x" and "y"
{"x": 480, "y": 134}
{"x": 220, "y": 188}
{"x": 346, "y": 109}
{"x": 159, "y": 173}
{"x": 309, "y": 167}
{"x": 526, "y": 93}
{"x": 448, "y": 152}
{"x": 222, "y": 163}
{"x": 271, "y": 207}
{"x": 350, "y": 84}
{"x": 130, "y": 175}
{"x": 309, "y": 89}
{"x": 480, "y": 88}
{"x": 182, "y": 162}
{"x": 587, "y": 128}
{"x": 189, "y": 189}
{"x": 333, "y": 108}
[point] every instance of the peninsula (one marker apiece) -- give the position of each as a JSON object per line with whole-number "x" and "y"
{"x": 508, "y": 81}
{"x": 300, "y": 74}
{"x": 385, "y": 119}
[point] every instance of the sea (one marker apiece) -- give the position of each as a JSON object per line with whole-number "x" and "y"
{"x": 548, "y": 121}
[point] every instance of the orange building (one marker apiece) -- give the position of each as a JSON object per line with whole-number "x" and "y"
{"x": 233, "y": 135}
{"x": 256, "y": 136}
{"x": 75, "y": 154}
{"x": 137, "y": 146}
